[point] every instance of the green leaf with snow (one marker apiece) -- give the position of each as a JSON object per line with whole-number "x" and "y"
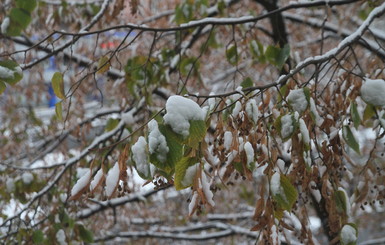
{"x": 184, "y": 175}
{"x": 10, "y": 72}
{"x": 286, "y": 125}
{"x": 286, "y": 199}
{"x": 232, "y": 55}
{"x": 350, "y": 139}
{"x": 349, "y": 234}
{"x": 175, "y": 149}
{"x": 58, "y": 85}
{"x": 354, "y": 114}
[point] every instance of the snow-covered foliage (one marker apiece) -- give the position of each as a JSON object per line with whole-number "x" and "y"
{"x": 180, "y": 111}
{"x": 157, "y": 142}
{"x": 140, "y": 157}
{"x": 81, "y": 184}
{"x": 190, "y": 174}
{"x": 112, "y": 180}
{"x": 373, "y": 90}
{"x": 297, "y": 100}
{"x": 348, "y": 234}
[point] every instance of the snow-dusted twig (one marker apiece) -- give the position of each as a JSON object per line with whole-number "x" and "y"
{"x": 180, "y": 233}
{"x": 371, "y": 45}
{"x": 67, "y": 164}
{"x": 100, "y": 206}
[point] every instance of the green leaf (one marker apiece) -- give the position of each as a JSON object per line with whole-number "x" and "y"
{"x": 175, "y": 149}
{"x": 103, "y": 65}
{"x": 277, "y": 56}
{"x": 180, "y": 171}
{"x": 10, "y": 72}
{"x": 85, "y": 234}
{"x": 58, "y": 85}
{"x": 341, "y": 201}
{"x": 59, "y": 110}
{"x": 350, "y": 139}
{"x": 28, "y": 5}
{"x": 247, "y": 83}
{"x": 231, "y": 55}
{"x": 111, "y": 124}
{"x": 2, "y": 87}
{"x": 37, "y": 236}
{"x": 283, "y": 55}
{"x": 369, "y": 112}
{"x": 20, "y": 18}
{"x": 290, "y": 192}
{"x": 354, "y": 114}
{"x": 197, "y": 133}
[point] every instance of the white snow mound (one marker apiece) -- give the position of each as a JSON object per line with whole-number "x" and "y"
{"x": 373, "y": 91}
{"x": 180, "y": 111}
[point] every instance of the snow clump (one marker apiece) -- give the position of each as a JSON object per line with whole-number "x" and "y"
{"x": 139, "y": 156}
{"x": 81, "y": 183}
{"x": 297, "y": 100}
{"x": 27, "y": 178}
{"x": 180, "y": 111}
{"x": 348, "y": 234}
{"x": 157, "y": 142}
{"x": 112, "y": 179}
{"x": 287, "y": 126}
{"x": 190, "y": 174}
{"x": 373, "y": 91}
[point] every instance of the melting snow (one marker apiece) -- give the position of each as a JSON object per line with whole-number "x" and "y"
{"x": 6, "y": 73}
{"x": 180, "y": 111}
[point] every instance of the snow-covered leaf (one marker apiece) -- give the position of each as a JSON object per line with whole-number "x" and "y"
{"x": 185, "y": 172}
{"x": 372, "y": 92}
{"x": 231, "y": 55}
{"x": 112, "y": 180}
{"x": 284, "y": 193}
{"x": 98, "y": 179}
{"x": 81, "y": 185}
{"x": 349, "y": 234}
{"x": 10, "y": 72}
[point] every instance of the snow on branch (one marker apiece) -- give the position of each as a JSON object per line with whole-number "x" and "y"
{"x": 100, "y": 206}
{"x": 67, "y": 164}
{"x": 180, "y": 233}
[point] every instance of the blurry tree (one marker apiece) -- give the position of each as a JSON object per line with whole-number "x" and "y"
{"x": 224, "y": 120}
